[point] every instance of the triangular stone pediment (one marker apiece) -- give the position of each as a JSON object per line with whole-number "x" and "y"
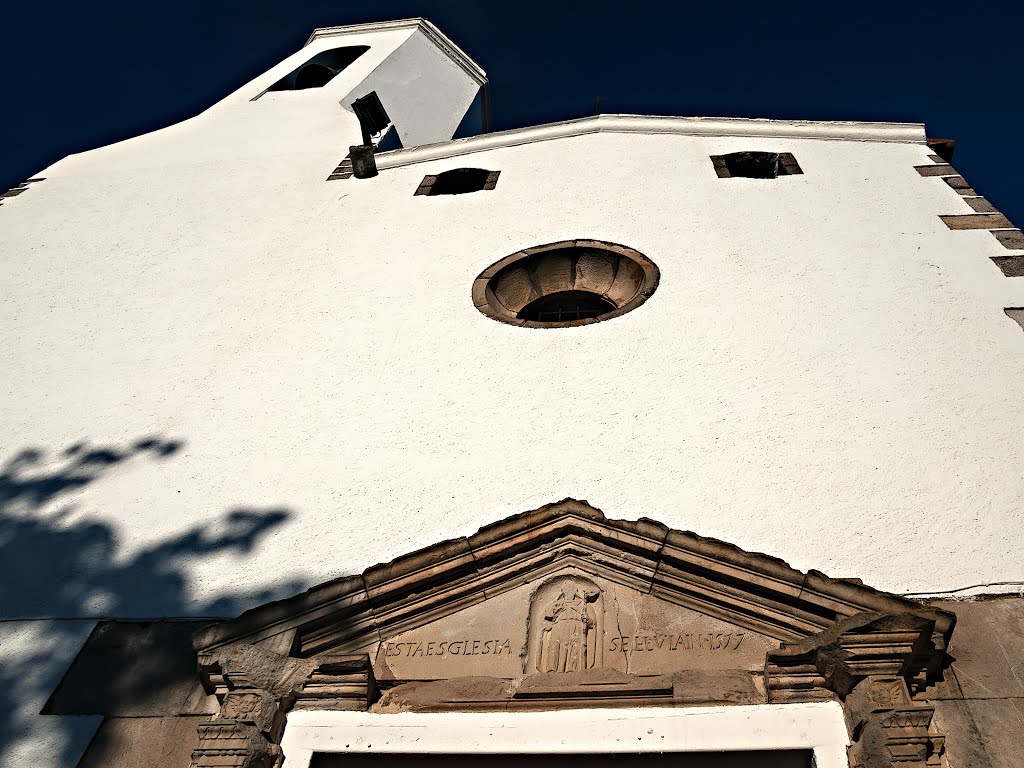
{"x": 564, "y": 591}
{"x": 567, "y": 621}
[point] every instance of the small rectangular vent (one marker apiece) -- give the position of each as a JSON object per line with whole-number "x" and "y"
{"x": 458, "y": 181}
{"x": 755, "y": 165}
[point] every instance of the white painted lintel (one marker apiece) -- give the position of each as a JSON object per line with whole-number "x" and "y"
{"x": 818, "y": 727}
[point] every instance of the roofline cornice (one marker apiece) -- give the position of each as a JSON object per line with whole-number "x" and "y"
{"x": 901, "y": 133}
{"x": 435, "y": 35}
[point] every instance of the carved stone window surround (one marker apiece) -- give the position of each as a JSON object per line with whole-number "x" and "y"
{"x": 621, "y": 276}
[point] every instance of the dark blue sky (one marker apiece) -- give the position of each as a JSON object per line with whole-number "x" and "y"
{"x": 80, "y": 75}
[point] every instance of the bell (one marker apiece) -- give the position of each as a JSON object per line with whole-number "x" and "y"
{"x": 314, "y": 76}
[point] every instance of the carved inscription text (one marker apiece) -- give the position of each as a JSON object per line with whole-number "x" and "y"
{"x": 686, "y": 641}
{"x": 449, "y": 648}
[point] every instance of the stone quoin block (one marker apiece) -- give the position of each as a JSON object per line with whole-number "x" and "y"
{"x": 977, "y": 221}
{"x": 1011, "y": 266}
{"x": 935, "y": 170}
{"x": 959, "y": 183}
{"x": 1010, "y": 238}
{"x": 980, "y": 204}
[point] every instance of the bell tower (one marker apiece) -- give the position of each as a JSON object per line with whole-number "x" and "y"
{"x": 424, "y": 83}
{"x": 397, "y": 83}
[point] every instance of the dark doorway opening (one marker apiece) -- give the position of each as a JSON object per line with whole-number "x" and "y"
{"x": 762, "y": 759}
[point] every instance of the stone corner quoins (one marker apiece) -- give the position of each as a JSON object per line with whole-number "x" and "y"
{"x": 985, "y": 217}
{"x": 18, "y": 189}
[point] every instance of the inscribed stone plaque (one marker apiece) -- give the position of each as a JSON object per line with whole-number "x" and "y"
{"x": 569, "y": 622}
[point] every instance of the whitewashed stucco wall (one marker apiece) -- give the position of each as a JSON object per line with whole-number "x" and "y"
{"x": 825, "y": 373}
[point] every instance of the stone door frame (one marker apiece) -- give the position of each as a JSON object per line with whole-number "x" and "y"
{"x": 818, "y": 727}
{"x": 838, "y": 642}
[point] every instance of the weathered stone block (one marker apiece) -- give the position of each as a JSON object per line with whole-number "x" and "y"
{"x": 988, "y": 645}
{"x": 935, "y": 170}
{"x": 1011, "y": 266}
{"x": 131, "y": 742}
{"x": 1010, "y": 238}
{"x": 959, "y": 183}
{"x": 134, "y": 669}
{"x": 964, "y": 746}
{"x": 978, "y": 221}
{"x": 980, "y": 204}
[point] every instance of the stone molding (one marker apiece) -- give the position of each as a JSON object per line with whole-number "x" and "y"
{"x": 834, "y": 639}
{"x": 758, "y": 591}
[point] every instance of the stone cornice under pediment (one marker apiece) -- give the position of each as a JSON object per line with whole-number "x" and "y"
{"x": 750, "y": 590}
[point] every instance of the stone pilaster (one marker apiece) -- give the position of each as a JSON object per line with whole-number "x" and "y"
{"x": 256, "y": 689}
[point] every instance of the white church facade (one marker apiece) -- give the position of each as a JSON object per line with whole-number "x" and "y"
{"x": 331, "y": 438}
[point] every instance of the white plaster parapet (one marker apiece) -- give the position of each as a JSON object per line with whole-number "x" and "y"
{"x": 435, "y": 35}
{"x": 903, "y": 133}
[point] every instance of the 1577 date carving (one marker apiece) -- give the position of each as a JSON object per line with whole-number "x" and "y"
{"x": 686, "y": 641}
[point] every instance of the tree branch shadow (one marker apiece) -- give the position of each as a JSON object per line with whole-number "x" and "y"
{"x": 53, "y": 566}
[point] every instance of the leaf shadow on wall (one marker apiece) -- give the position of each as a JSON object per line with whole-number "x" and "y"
{"x": 56, "y": 564}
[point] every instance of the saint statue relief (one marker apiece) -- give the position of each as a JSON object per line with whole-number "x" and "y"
{"x": 569, "y": 633}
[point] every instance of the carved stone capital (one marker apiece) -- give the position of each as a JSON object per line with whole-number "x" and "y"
{"x": 256, "y": 688}
{"x": 873, "y": 664}
{"x": 253, "y": 706}
{"x": 230, "y": 744}
{"x": 888, "y": 730}
{"x": 868, "y": 645}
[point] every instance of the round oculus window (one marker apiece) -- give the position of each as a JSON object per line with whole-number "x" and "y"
{"x": 574, "y": 282}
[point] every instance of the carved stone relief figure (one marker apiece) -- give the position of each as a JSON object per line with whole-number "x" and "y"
{"x": 566, "y": 626}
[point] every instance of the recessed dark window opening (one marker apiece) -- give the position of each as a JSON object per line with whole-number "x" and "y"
{"x": 320, "y": 69}
{"x": 755, "y": 165}
{"x": 565, "y": 305}
{"x": 373, "y": 118}
{"x": 458, "y": 181}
